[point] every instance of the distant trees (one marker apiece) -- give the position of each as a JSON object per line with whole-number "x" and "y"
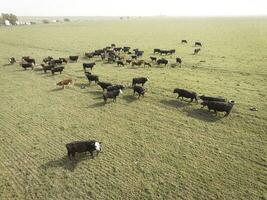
{"x": 66, "y": 20}
{"x": 10, "y": 17}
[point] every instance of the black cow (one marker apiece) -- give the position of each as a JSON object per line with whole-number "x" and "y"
{"x": 55, "y": 62}
{"x": 206, "y": 98}
{"x": 184, "y": 41}
{"x": 74, "y": 58}
{"x": 47, "y": 67}
{"x": 115, "y": 87}
{"x": 196, "y": 51}
{"x": 198, "y": 44}
{"x": 12, "y": 60}
{"x": 47, "y": 59}
{"x": 83, "y": 146}
{"x": 219, "y": 106}
{"x": 147, "y": 64}
{"x": 153, "y": 58}
{"x": 27, "y": 65}
{"x": 140, "y": 80}
{"x": 28, "y": 59}
{"x": 185, "y": 94}
{"x": 134, "y": 57}
{"x": 88, "y": 65}
{"x": 91, "y": 78}
{"x": 162, "y": 61}
{"x": 120, "y": 63}
{"x": 57, "y": 69}
{"x": 89, "y": 55}
{"x": 128, "y": 61}
{"x": 139, "y": 53}
{"x": 112, "y": 95}
{"x": 113, "y": 45}
{"x": 156, "y": 51}
{"x": 117, "y": 49}
{"x": 126, "y": 49}
{"x": 140, "y": 90}
{"x": 179, "y": 60}
{"x": 104, "y": 85}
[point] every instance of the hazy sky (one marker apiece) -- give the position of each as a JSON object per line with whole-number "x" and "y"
{"x": 133, "y": 7}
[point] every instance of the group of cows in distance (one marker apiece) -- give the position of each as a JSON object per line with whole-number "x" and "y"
{"x": 121, "y": 56}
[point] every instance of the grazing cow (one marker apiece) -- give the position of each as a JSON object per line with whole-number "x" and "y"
{"x": 73, "y": 58}
{"x": 198, "y": 44}
{"x": 88, "y": 73}
{"x": 140, "y": 80}
{"x": 115, "y": 87}
{"x": 112, "y": 95}
{"x": 117, "y": 49}
{"x": 139, "y": 53}
{"x": 89, "y": 55}
{"x": 64, "y": 60}
{"x": 113, "y": 45}
{"x": 162, "y": 61}
{"x": 138, "y": 63}
{"x": 140, "y": 90}
{"x": 57, "y": 69}
{"x": 153, "y": 59}
{"x": 184, "y": 41}
{"x": 206, "y": 98}
{"x": 147, "y": 64}
{"x": 47, "y": 67}
{"x": 157, "y": 51}
{"x": 65, "y": 82}
{"x": 179, "y": 60}
{"x": 185, "y": 94}
{"x": 12, "y": 60}
{"x": 219, "y": 106}
{"x": 88, "y": 65}
{"x": 91, "y": 78}
{"x": 134, "y": 57}
{"x": 83, "y": 146}
{"x": 128, "y": 61}
{"x": 104, "y": 85}
{"x": 27, "y": 65}
{"x": 196, "y": 51}
{"x": 120, "y": 63}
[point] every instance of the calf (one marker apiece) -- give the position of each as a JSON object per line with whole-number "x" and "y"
{"x": 140, "y": 90}
{"x": 112, "y": 95}
{"x": 162, "y": 61}
{"x": 104, "y": 85}
{"x": 65, "y": 82}
{"x": 184, "y": 41}
{"x": 140, "y": 80}
{"x": 88, "y": 65}
{"x": 153, "y": 59}
{"x": 219, "y": 106}
{"x": 91, "y": 78}
{"x": 198, "y": 44}
{"x": 120, "y": 63}
{"x": 57, "y": 69}
{"x": 179, "y": 60}
{"x": 128, "y": 61}
{"x": 185, "y": 94}
{"x": 138, "y": 63}
{"x": 27, "y": 65}
{"x": 83, "y": 146}
{"x": 115, "y": 87}
{"x": 74, "y": 58}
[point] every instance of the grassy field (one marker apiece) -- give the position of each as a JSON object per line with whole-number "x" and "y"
{"x": 154, "y": 148}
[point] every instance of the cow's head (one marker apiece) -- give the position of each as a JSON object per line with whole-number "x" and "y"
{"x": 98, "y": 146}
{"x": 120, "y": 91}
{"x": 147, "y": 78}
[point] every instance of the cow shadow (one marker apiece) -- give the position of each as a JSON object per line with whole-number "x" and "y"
{"x": 57, "y": 89}
{"x": 175, "y": 103}
{"x": 66, "y": 163}
{"x": 80, "y": 85}
{"x": 8, "y": 64}
{"x": 129, "y": 98}
{"x": 98, "y": 104}
{"x": 204, "y": 115}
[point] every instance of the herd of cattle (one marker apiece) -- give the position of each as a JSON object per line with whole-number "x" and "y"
{"x": 122, "y": 56}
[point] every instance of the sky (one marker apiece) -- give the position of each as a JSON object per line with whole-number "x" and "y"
{"x": 134, "y": 7}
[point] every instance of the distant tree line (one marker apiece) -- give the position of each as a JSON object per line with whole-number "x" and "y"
{"x": 10, "y": 17}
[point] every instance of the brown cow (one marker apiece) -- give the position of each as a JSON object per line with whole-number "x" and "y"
{"x": 65, "y": 82}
